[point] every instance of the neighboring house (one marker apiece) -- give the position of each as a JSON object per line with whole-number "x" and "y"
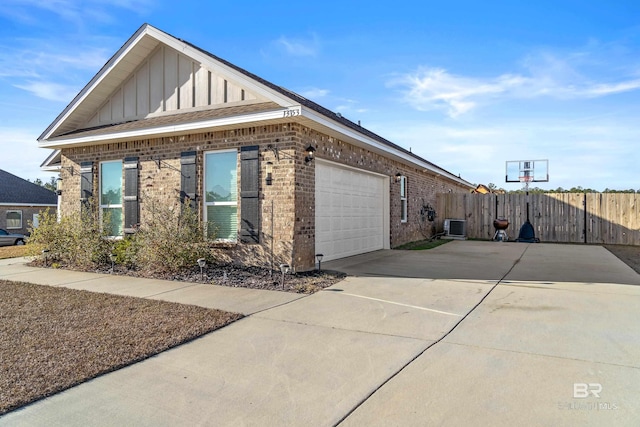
{"x": 270, "y": 171}
{"x": 21, "y": 201}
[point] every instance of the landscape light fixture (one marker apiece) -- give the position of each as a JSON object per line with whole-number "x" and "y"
{"x": 44, "y": 254}
{"x": 113, "y": 258}
{"x": 269, "y": 171}
{"x": 284, "y": 268}
{"x": 310, "y": 152}
{"x": 201, "y": 263}
{"x": 319, "y": 258}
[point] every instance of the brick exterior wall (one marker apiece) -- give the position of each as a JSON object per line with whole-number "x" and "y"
{"x": 287, "y": 222}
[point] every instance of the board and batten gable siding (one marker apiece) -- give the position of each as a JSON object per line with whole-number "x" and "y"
{"x": 167, "y": 82}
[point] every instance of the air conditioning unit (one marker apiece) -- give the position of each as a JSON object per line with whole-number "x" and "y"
{"x": 455, "y": 228}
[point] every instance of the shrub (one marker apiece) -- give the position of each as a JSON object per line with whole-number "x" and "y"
{"x": 126, "y": 251}
{"x": 170, "y": 239}
{"x": 77, "y": 240}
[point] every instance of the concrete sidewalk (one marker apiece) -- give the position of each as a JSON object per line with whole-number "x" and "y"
{"x": 467, "y": 333}
{"x": 237, "y": 300}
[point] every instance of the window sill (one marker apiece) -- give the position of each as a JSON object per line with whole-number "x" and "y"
{"x": 224, "y": 244}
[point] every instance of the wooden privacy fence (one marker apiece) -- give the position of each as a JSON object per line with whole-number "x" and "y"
{"x": 600, "y": 218}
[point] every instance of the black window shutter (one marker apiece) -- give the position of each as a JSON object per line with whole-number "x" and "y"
{"x": 188, "y": 178}
{"x": 131, "y": 203}
{"x": 249, "y": 191}
{"x": 86, "y": 185}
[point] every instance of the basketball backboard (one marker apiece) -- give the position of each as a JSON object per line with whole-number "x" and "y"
{"x": 526, "y": 171}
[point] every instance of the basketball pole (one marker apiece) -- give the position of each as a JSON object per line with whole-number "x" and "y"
{"x": 526, "y": 190}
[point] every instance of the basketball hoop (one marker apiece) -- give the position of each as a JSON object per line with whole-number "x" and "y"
{"x": 526, "y": 178}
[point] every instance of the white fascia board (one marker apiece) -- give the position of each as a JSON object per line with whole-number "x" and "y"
{"x": 178, "y": 129}
{"x": 50, "y": 168}
{"x": 46, "y": 165}
{"x": 350, "y": 133}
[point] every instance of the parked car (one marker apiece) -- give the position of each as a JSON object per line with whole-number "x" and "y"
{"x": 9, "y": 239}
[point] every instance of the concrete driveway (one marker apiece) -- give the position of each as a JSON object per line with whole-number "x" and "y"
{"x": 469, "y": 333}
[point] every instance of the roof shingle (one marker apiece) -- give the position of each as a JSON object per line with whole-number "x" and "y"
{"x": 15, "y": 190}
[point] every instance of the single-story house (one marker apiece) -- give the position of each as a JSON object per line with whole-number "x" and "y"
{"x": 21, "y": 202}
{"x": 271, "y": 171}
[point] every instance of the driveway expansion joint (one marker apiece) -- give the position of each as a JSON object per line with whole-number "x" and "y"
{"x": 402, "y": 368}
{"x": 341, "y": 329}
{"x": 528, "y": 353}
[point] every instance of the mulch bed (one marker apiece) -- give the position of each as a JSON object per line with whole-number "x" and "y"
{"x": 54, "y": 338}
{"x": 255, "y": 278}
{"x": 236, "y": 276}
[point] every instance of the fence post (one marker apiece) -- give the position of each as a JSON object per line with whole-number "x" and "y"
{"x": 584, "y": 209}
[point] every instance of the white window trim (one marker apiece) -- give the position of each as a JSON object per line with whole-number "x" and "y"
{"x": 403, "y": 199}
{"x": 21, "y": 219}
{"x": 108, "y": 206}
{"x": 204, "y": 191}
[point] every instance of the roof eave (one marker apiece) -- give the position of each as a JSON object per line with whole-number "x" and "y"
{"x": 270, "y": 116}
{"x": 372, "y": 144}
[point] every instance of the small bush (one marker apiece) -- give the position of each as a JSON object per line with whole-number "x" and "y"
{"x": 77, "y": 240}
{"x": 170, "y": 239}
{"x": 126, "y": 251}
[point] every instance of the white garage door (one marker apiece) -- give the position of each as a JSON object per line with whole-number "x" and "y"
{"x": 350, "y": 211}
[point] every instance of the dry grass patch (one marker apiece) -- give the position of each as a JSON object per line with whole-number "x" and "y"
{"x": 54, "y": 338}
{"x": 630, "y": 255}
{"x": 13, "y": 251}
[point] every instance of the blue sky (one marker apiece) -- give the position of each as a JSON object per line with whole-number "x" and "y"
{"x": 467, "y": 85}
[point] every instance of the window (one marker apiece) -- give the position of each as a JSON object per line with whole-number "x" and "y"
{"x": 403, "y": 199}
{"x": 14, "y": 219}
{"x": 111, "y": 196}
{"x": 221, "y": 195}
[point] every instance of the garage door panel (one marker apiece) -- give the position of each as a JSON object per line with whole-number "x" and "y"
{"x": 349, "y": 211}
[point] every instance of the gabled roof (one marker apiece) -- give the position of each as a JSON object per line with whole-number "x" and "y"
{"x": 275, "y": 104}
{"x": 16, "y": 191}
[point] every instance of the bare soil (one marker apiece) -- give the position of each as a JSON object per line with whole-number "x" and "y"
{"x": 630, "y": 255}
{"x": 54, "y": 338}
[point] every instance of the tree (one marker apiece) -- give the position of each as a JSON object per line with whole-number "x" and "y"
{"x": 51, "y": 185}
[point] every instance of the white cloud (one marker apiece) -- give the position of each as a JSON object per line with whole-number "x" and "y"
{"x": 21, "y": 155}
{"x": 49, "y": 71}
{"x": 50, "y": 91}
{"x": 314, "y": 93}
{"x": 545, "y": 75}
{"x": 74, "y": 11}
{"x": 299, "y": 47}
{"x": 40, "y": 59}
